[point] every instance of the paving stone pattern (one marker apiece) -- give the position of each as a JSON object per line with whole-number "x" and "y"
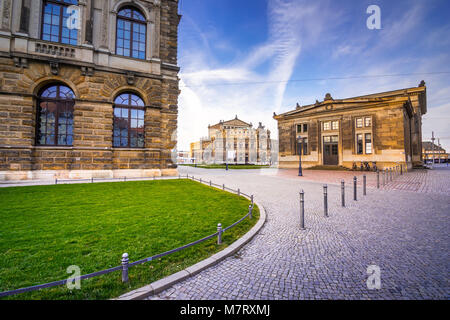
{"x": 405, "y": 233}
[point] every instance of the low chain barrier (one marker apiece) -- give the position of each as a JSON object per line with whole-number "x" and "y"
{"x": 125, "y": 259}
{"x": 387, "y": 175}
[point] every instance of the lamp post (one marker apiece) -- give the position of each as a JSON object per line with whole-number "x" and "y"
{"x": 300, "y": 147}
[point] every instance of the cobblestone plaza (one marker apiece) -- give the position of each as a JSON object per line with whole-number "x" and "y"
{"x": 403, "y": 228}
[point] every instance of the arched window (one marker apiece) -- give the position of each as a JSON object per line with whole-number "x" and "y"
{"x": 129, "y": 114}
{"x": 54, "y": 22}
{"x": 131, "y": 33}
{"x": 55, "y": 116}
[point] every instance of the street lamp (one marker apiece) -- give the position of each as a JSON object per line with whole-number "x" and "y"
{"x": 300, "y": 147}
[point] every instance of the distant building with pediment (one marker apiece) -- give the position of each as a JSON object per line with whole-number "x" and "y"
{"x": 378, "y": 130}
{"x": 234, "y": 141}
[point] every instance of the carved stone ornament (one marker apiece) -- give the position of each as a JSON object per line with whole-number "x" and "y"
{"x": 131, "y": 78}
{"x": 54, "y": 68}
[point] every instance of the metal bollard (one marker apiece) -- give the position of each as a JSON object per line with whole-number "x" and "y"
{"x": 239, "y": 192}
{"x": 391, "y": 173}
{"x": 384, "y": 177}
{"x": 343, "y": 192}
{"x": 92, "y": 180}
{"x": 56, "y": 181}
{"x": 219, "y": 236}
{"x": 210, "y": 183}
{"x": 223, "y": 186}
{"x": 364, "y": 185}
{"x": 325, "y": 201}
{"x": 378, "y": 179}
{"x": 302, "y": 210}
{"x": 125, "y": 267}
{"x": 250, "y": 211}
{"x": 355, "y": 180}
{"x": 401, "y": 169}
{"x": 200, "y": 180}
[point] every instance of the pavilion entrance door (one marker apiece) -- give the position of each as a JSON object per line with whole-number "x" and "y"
{"x": 330, "y": 150}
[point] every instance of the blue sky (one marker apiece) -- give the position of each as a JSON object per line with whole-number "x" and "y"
{"x": 241, "y": 57}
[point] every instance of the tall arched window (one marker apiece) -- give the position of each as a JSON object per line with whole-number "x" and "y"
{"x": 54, "y": 22}
{"x": 129, "y": 114}
{"x": 55, "y": 116}
{"x": 131, "y": 33}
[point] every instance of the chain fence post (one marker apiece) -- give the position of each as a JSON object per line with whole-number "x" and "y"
{"x": 125, "y": 267}
{"x": 364, "y": 185}
{"x": 250, "y": 211}
{"x": 219, "y": 235}
{"x": 302, "y": 210}
{"x": 251, "y": 198}
{"x": 239, "y": 192}
{"x": 355, "y": 180}
{"x": 378, "y": 179}
{"x": 325, "y": 200}
{"x": 56, "y": 181}
{"x": 343, "y": 192}
{"x": 210, "y": 183}
{"x": 223, "y": 186}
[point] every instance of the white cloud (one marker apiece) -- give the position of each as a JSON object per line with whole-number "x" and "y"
{"x": 291, "y": 25}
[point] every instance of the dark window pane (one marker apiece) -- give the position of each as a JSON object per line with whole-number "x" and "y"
{"x": 128, "y": 121}
{"x": 55, "y": 123}
{"x": 130, "y": 34}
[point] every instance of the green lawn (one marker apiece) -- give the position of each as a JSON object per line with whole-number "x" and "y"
{"x": 230, "y": 166}
{"x": 45, "y": 229}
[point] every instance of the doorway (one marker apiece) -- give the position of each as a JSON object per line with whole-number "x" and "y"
{"x": 330, "y": 150}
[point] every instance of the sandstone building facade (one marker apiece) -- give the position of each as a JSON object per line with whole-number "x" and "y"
{"x": 234, "y": 141}
{"x": 432, "y": 151}
{"x": 379, "y": 129}
{"x": 88, "y": 88}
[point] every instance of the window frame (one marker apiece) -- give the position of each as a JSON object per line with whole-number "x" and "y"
{"x": 129, "y": 107}
{"x": 365, "y": 142}
{"x": 41, "y": 99}
{"x": 63, "y": 6}
{"x": 362, "y": 122}
{"x": 357, "y": 143}
{"x": 329, "y": 125}
{"x": 333, "y": 122}
{"x": 302, "y": 127}
{"x": 132, "y": 21}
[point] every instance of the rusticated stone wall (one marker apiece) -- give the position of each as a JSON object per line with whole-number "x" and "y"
{"x": 95, "y": 87}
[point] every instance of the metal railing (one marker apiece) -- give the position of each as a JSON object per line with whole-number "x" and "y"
{"x": 125, "y": 260}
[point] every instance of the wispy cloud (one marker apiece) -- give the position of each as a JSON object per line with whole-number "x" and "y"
{"x": 291, "y": 25}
